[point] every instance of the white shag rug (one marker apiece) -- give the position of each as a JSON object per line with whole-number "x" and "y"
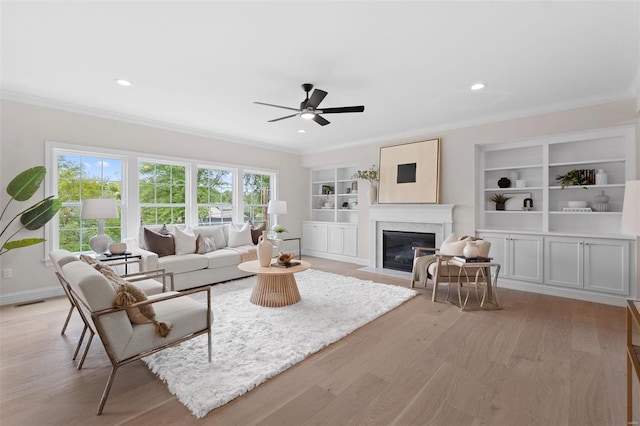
{"x": 252, "y": 343}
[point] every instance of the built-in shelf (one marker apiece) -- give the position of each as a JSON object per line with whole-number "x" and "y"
{"x": 529, "y": 166}
{"x": 587, "y": 162}
{"x": 524, "y": 189}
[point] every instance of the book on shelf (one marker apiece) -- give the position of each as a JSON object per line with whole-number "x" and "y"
{"x": 478, "y": 259}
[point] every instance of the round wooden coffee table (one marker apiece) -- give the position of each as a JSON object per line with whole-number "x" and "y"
{"x": 275, "y": 286}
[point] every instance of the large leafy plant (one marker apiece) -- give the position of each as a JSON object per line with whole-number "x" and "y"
{"x": 21, "y": 188}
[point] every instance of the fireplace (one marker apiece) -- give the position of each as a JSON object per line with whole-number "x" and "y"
{"x": 397, "y": 252}
{"x": 435, "y": 219}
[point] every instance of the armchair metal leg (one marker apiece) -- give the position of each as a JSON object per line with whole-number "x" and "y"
{"x": 66, "y": 322}
{"x": 86, "y": 350}
{"x": 209, "y": 343}
{"x": 107, "y": 388}
{"x": 84, "y": 330}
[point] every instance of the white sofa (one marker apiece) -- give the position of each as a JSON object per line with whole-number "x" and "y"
{"x": 194, "y": 270}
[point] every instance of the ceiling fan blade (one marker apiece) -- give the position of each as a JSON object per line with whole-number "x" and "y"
{"x": 321, "y": 120}
{"x": 281, "y": 118}
{"x": 316, "y": 97}
{"x": 340, "y": 110}
{"x": 277, "y": 106}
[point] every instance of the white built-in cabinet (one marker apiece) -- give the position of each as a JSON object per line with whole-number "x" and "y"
{"x": 588, "y": 263}
{"x": 519, "y": 255}
{"x": 549, "y": 245}
{"x": 332, "y": 231}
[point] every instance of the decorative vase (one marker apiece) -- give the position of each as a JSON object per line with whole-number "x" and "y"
{"x": 504, "y": 182}
{"x": 265, "y": 249}
{"x": 471, "y": 249}
{"x": 601, "y": 202}
{"x": 499, "y": 206}
{"x": 601, "y": 177}
{"x": 117, "y": 248}
{"x": 373, "y": 194}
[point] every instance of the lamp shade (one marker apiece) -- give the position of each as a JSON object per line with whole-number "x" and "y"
{"x": 277, "y": 207}
{"x": 99, "y": 208}
{"x": 631, "y": 208}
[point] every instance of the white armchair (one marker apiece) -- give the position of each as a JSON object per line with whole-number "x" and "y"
{"x": 123, "y": 340}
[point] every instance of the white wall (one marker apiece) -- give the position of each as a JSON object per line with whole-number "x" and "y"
{"x": 24, "y": 129}
{"x": 458, "y": 155}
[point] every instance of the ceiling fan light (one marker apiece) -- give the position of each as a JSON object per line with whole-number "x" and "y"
{"x": 308, "y": 115}
{"x": 478, "y": 86}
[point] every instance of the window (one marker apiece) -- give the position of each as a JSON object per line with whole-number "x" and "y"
{"x": 162, "y": 189}
{"x": 84, "y": 176}
{"x": 256, "y": 195}
{"x": 215, "y": 196}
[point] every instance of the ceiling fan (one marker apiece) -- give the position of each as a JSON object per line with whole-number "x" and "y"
{"x": 309, "y": 107}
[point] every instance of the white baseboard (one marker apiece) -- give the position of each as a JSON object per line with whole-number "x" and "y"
{"x": 30, "y": 295}
{"x": 561, "y": 292}
{"x": 338, "y": 257}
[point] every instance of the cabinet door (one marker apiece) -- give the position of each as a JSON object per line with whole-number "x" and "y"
{"x": 525, "y": 258}
{"x": 343, "y": 240}
{"x": 336, "y": 239}
{"x": 498, "y": 251}
{"x": 314, "y": 237}
{"x": 606, "y": 266}
{"x": 563, "y": 260}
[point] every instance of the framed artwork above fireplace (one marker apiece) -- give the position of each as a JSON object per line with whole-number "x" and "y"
{"x": 410, "y": 173}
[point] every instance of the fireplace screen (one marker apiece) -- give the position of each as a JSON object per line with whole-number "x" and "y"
{"x": 397, "y": 248}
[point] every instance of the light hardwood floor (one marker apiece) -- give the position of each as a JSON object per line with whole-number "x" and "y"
{"x": 541, "y": 361}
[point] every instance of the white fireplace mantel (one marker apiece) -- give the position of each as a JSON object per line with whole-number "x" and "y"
{"x": 435, "y": 218}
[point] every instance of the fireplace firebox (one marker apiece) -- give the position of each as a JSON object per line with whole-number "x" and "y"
{"x": 397, "y": 252}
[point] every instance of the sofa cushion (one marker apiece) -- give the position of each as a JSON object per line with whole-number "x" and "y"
{"x": 183, "y": 263}
{"x": 162, "y": 245}
{"x": 185, "y": 240}
{"x": 222, "y": 258}
{"x": 239, "y": 235}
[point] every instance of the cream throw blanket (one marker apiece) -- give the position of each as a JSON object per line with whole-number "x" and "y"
{"x": 421, "y": 266}
{"x": 246, "y": 254}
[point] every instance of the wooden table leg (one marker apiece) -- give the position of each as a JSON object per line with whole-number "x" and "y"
{"x": 275, "y": 290}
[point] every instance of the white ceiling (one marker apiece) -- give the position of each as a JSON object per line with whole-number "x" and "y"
{"x": 198, "y": 66}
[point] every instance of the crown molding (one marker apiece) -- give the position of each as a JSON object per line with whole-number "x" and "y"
{"x": 24, "y": 98}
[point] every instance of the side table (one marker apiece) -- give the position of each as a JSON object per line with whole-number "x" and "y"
{"x": 481, "y": 272}
{"x": 124, "y": 259}
{"x": 291, "y": 239}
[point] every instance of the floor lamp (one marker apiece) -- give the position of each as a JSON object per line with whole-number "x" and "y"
{"x": 100, "y": 209}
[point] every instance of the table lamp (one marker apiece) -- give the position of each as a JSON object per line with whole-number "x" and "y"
{"x": 276, "y": 207}
{"x": 99, "y": 208}
{"x": 631, "y": 208}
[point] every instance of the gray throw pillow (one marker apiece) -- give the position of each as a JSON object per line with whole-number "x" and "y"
{"x": 162, "y": 245}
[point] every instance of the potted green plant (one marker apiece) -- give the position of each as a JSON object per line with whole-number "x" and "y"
{"x": 573, "y": 178}
{"x": 21, "y": 188}
{"x": 500, "y": 200}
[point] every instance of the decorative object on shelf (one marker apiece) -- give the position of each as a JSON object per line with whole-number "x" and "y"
{"x": 527, "y": 204}
{"x": 328, "y": 205}
{"x": 576, "y": 204}
{"x": 327, "y": 189}
{"x": 347, "y": 190}
{"x": 345, "y": 205}
{"x": 321, "y": 202}
{"x": 265, "y": 249}
{"x": 372, "y": 176}
{"x": 500, "y": 200}
{"x": 410, "y": 173}
{"x": 118, "y": 248}
{"x": 631, "y": 208}
{"x": 521, "y": 183}
{"x": 354, "y": 187}
{"x": 99, "y": 208}
{"x": 577, "y": 178}
{"x": 600, "y": 202}
{"x": 577, "y": 209}
{"x": 471, "y": 249}
{"x": 601, "y": 177}
{"x": 21, "y": 188}
{"x": 504, "y": 182}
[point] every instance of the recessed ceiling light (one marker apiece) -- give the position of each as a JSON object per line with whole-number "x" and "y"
{"x": 302, "y": 131}
{"x": 123, "y": 82}
{"x": 478, "y": 86}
